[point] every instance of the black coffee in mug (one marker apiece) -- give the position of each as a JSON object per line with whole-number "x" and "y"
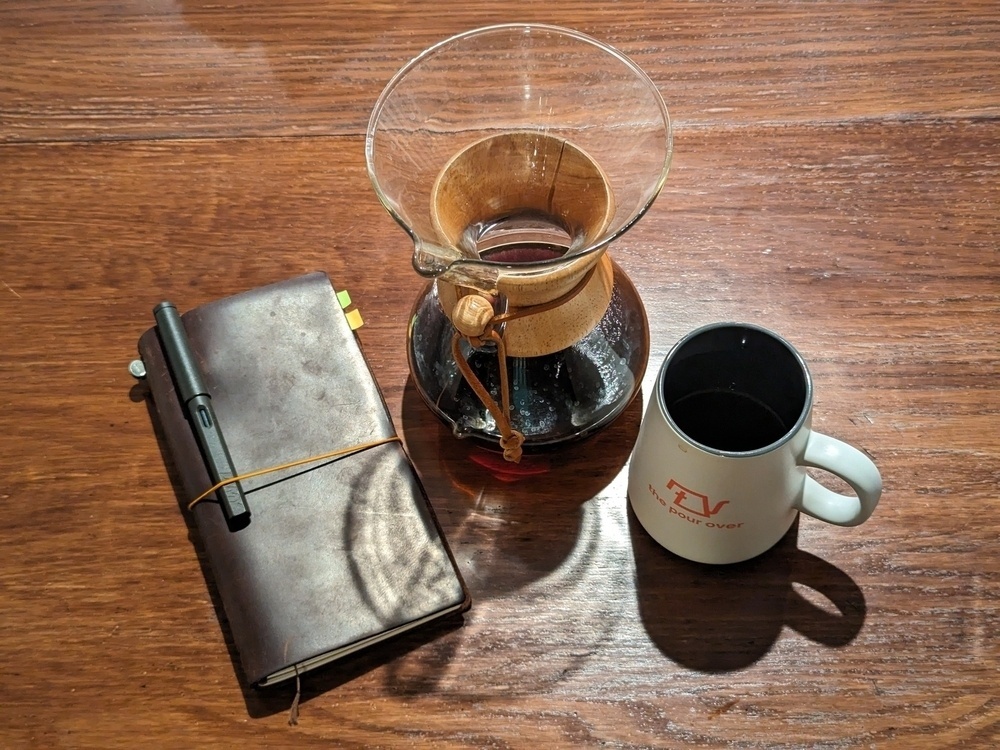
{"x": 727, "y": 421}
{"x": 735, "y": 389}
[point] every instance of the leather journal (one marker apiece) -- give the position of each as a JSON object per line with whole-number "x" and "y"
{"x": 338, "y": 554}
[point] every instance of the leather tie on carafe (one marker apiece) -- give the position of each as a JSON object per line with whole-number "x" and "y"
{"x": 476, "y": 322}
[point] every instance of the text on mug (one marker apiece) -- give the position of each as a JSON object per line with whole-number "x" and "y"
{"x": 690, "y": 518}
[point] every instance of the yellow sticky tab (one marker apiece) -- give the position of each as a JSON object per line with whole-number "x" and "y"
{"x": 354, "y": 320}
{"x": 344, "y": 299}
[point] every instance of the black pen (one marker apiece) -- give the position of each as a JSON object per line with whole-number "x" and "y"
{"x": 197, "y": 403}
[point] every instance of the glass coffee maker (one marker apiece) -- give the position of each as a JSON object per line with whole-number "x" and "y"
{"x": 513, "y": 156}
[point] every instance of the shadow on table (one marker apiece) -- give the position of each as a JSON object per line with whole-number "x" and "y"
{"x": 520, "y": 521}
{"x": 719, "y": 618}
{"x": 542, "y": 498}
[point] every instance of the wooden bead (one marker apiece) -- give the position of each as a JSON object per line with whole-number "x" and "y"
{"x": 472, "y": 314}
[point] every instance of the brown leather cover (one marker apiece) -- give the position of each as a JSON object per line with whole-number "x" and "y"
{"x": 339, "y": 554}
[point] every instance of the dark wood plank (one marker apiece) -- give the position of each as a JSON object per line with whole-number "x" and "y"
{"x": 870, "y": 245}
{"x": 96, "y": 70}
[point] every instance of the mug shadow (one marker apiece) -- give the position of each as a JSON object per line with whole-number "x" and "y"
{"x": 261, "y": 702}
{"x": 721, "y": 618}
{"x": 511, "y": 524}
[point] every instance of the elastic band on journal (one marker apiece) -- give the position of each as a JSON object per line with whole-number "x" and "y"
{"x": 292, "y": 464}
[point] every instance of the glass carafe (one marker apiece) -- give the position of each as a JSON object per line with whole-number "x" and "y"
{"x": 513, "y": 156}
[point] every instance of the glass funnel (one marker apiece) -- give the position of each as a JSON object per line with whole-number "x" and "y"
{"x": 513, "y": 155}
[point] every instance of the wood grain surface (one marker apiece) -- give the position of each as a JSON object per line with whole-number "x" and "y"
{"x": 835, "y": 178}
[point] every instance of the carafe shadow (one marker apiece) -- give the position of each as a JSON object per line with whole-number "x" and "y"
{"x": 721, "y": 618}
{"x": 520, "y": 521}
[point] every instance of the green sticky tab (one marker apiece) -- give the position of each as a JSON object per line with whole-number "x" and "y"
{"x": 344, "y": 299}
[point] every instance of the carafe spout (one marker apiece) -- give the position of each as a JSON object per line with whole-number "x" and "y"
{"x": 431, "y": 259}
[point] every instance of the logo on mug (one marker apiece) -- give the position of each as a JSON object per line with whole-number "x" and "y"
{"x": 687, "y": 504}
{"x": 694, "y": 502}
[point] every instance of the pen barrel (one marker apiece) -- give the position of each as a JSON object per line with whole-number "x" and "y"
{"x": 183, "y": 364}
{"x": 195, "y": 400}
{"x": 217, "y": 457}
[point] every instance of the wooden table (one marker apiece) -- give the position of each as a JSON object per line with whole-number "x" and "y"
{"x": 835, "y": 178}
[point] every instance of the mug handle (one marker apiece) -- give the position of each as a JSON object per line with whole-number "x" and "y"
{"x": 851, "y": 465}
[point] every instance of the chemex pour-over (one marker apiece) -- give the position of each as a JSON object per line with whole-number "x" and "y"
{"x": 513, "y": 156}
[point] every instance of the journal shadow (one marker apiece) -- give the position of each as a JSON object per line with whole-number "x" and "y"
{"x": 519, "y": 520}
{"x": 721, "y": 618}
{"x": 267, "y": 701}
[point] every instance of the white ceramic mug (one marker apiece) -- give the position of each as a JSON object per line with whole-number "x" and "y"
{"x": 718, "y": 474}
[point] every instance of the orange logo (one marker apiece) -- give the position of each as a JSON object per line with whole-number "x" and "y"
{"x": 694, "y": 502}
